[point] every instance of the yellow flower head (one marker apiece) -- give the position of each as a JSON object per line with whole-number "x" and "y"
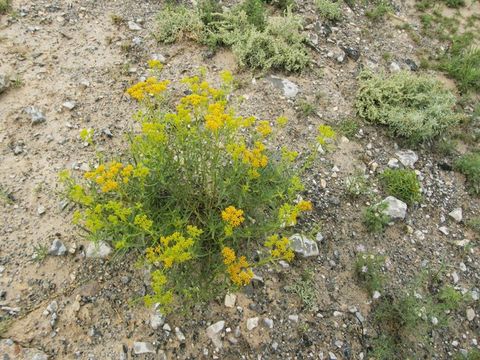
{"x": 228, "y": 255}
{"x": 149, "y": 87}
{"x": 304, "y": 205}
{"x": 233, "y": 216}
{"x": 280, "y": 248}
{"x": 155, "y": 64}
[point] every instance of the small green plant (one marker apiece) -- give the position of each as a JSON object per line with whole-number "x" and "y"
{"x": 454, "y": 3}
{"x": 305, "y": 289}
{"x": 6, "y": 196}
{"x": 356, "y": 185}
{"x": 416, "y": 107}
{"x": 402, "y": 184}
{"x": 469, "y": 165}
{"x": 4, "y": 6}
{"x": 368, "y": 271}
{"x": 199, "y": 187}
{"x": 349, "y": 127}
{"x": 40, "y": 252}
{"x": 255, "y": 11}
{"x": 306, "y": 108}
{"x": 117, "y": 19}
{"x": 473, "y": 354}
{"x": 462, "y": 62}
{"x": 329, "y": 10}
{"x": 375, "y": 218}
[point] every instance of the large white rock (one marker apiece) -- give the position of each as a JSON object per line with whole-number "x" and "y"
{"x": 213, "y": 333}
{"x": 396, "y": 209}
{"x": 407, "y": 157}
{"x": 143, "y": 348}
{"x": 456, "y": 214}
{"x": 303, "y": 245}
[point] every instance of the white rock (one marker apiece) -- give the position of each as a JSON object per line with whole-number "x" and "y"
{"x": 180, "y": 335}
{"x": 100, "y": 250}
{"x": 293, "y": 318}
{"x": 143, "y": 348}
{"x": 444, "y": 230}
{"x": 394, "y": 67}
{"x": 396, "y": 209}
{"x": 408, "y": 158}
{"x": 456, "y": 214}
{"x": 70, "y": 105}
{"x": 230, "y": 300}
{"x": 156, "y": 320}
{"x": 252, "y": 323}
{"x": 455, "y": 277}
{"x": 303, "y": 245}
{"x": 376, "y": 295}
{"x": 268, "y": 323}
{"x": 393, "y": 164}
{"x": 132, "y": 25}
{"x": 41, "y": 210}
{"x": 289, "y": 89}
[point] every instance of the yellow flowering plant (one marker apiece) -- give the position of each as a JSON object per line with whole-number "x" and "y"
{"x": 200, "y": 185}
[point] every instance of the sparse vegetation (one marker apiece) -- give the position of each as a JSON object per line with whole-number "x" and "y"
{"x": 349, "y": 128}
{"x": 379, "y": 10}
{"x": 4, "y": 6}
{"x": 356, "y": 185}
{"x": 306, "y": 108}
{"x": 178, "y": 22}
{"x": 469, "y": 165}
{"x": 462, "y": 62}
{"x": 416, "y": 107}
{"x": 368, "y": 271}
{"x": 305, "y": 289}
{"x": 402, "y": 184}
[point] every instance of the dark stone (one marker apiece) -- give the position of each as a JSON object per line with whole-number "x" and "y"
{"x": 352, "y": 53}
{"x": 411, "y": 64}
{"x": 445, "y": 166}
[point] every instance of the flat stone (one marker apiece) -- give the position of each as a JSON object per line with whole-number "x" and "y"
{"x": 100, "y": 250}
{"x": 70, "y": 105}
{"x": 408, "y": 158}
{"x": 41, "y": 210}
{"x": 293, "y": 318}
{"x": 156, "y": 321}
{"x": 470, "y": 314}
{"x": 252, "y": 323}
{"x": 456, "y": 214}
{"x": 179, "y": 334}
{"x": 132, "y": 25}
{"x": 303, "y": 245}
{"x": 289, "y": 89}
{"x": 57, "y": 248}
{"x": 396, "y": 209}
{"x": 143, "y": 348}
{"x": 268, "y": 323}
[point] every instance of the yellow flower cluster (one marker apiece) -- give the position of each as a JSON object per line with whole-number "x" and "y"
{"x": 174, "y": 248}
{"x": 149, "y": 87}
{"x": 155, "y": 64}
{"x": 154, "y": 131}
{"x": 289, "y": 155}
{"x": 280, "y": 248}
{"x": 238, "y": 269}
{"x": 254, "y": 157}
{"x": 233, "y": 216}
{"x": 109, "y": 175}
{"x": 77, "y": 194}
{"x": 264, "y": 128}
{"x": 325, "y": 134}
{"x": 160, "y": 294}
{"x": 143, "y": 222}
{"x": 288, "y": 214}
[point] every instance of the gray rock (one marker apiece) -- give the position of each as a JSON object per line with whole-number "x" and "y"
{"x": 293, "y": 318}
{"x": 393, "y": 164}
{"x": 100, "y": 250}
{"x": 394, "y": 67}
{"x": 213, "y": 333}
{"x": 52, "y": 307}
{"x": 41, "y": 210}
{"x": 289, "y": 89}
{"x": 332, "y": 356}
{"x": 4, "y": 82}
{"x": 407, "y": 157}
{"x": 57, "y": 248}
{"x": 40, "y": 356}
{"x": 456, "y": 214}
{"x": 36, "y": 115}
{"x": 252, "y": 323}
{"x": 143, "y": 348}
{"x": 303, "y": 245}
{"x": 396, "y": 209}
{"x": 268, "y": 323}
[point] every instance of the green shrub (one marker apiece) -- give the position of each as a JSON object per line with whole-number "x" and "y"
{"x": 329, "y": 10}
{"x": 454, "y": 3}
{"x": 469, "y": 165}
{"x": 255, "y": 10}
{"x": 176, "y": 23}
{"x": 402, "y": 184}
{"x": 349, "y": 127}
{"x": 474, "y": 224}
{"x": 379, "y": 11}
{"x": 200, "y": 186}
{"x": 375, "y": 219}
{"x": 416, "y": 107}
{"x": 462, "y": 62}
